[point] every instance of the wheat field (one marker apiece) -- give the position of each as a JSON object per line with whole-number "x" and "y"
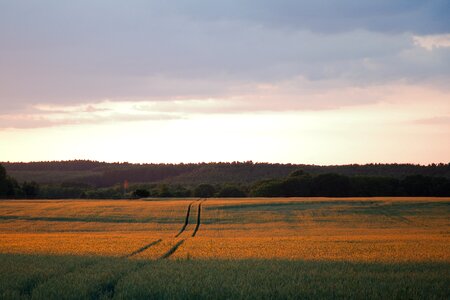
{"x": 289, "y": 248}
{"x": 354, "y": 229}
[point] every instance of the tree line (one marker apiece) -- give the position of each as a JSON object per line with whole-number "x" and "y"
{"x": 301, "y": 184}
{"x": 297, "y": 184}
{"x": 102, "y": 175}
{"x": 10, "y": 188}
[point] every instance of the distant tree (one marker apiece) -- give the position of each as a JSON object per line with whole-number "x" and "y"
{"x": 440, "y": 187}
{"x": 417, "y": 185}
{"x": 181, "y": 191}
{"x": 3, "y": 182}
{"x": 299, "y": 185}
{"x": 372, "y": 186}
{"x": 30, "y": 189}
{"x": 141, "y": 193}
{"x": 56, "y": 191}
{"x": 8, "y": 186}
{"x": 331, "y": 185}
{"x": 164, "y": 191}
{"x": 204, "y": 191}
{"x": 267, "y": 188}
{"x": 2, "y": 172}
{"x": 231, "y": 192}
{"x": 13, "y": 189}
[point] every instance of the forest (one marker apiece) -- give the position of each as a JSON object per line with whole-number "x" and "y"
{"x": 91, "y": 179}
{"x": 102, "y": 174}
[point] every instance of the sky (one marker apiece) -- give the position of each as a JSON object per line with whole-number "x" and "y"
{"x": 288, "y": 81}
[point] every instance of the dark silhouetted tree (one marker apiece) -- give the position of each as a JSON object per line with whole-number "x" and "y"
{"x": 364, "y": 186}
{"x": 164, "y": 191}
{"x": 231, "y": 192}
{"x": 141, "y": 193}
{"x": 181, "y": 192}
{"x": 417, "y": 185}
{"x": 331, "y": 185}
{"x": 30, "y": 189}
{"x": 440, "y": 187}
{"x": 9, "y": 188}
{"x": 204, "y": 191}
{"x": 3, "y": 183}
{"x": 297, "y": 186}
{"x": 267, "y": 188}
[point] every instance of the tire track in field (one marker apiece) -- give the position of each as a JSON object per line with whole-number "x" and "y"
{"x": 197, "y": 226}
{"x": 199, "y": 211}
{"x": 109, "y": 288}
{"x": 143, "y": 248}
{"x": 186, "y": 220}
{"x": 173, "y": 249}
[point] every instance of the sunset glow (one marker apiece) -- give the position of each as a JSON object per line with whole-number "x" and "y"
{"x": 157, "y": 82}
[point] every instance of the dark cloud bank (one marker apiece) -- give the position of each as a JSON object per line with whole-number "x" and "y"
{"x": 68, "y": 52}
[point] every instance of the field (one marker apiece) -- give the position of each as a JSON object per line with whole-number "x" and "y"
{"x": 226, "y": 248}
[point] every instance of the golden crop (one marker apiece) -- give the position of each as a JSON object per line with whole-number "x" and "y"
{"x": 350, "y": 229}
{"x": 104, "y": 243}
{"x": 319, "y": 248}
{"x": 95, "y": 209}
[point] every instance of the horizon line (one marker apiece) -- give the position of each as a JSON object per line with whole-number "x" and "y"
{"x": 225, "y": 162}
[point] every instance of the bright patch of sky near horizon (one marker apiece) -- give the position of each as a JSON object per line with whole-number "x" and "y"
{"x": 276, "y": 81}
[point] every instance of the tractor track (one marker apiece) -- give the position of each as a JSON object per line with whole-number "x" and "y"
{"x": 109, "y": 288}
{"x": 186, "y": 220}
{"x": 174, "y": 248}
{"x": 143, "y": 248}
{"x": 198, "y": 218}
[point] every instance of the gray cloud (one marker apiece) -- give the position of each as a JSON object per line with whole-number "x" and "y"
{"x": 42, "y": 120}
{"x": 85, "y": 51}
{"x": 422, "y": 17}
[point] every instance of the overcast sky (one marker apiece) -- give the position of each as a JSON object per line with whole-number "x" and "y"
{"x": 324, "y": 82}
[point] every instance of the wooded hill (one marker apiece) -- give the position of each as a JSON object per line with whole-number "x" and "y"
{"x": 101, "y": 174}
